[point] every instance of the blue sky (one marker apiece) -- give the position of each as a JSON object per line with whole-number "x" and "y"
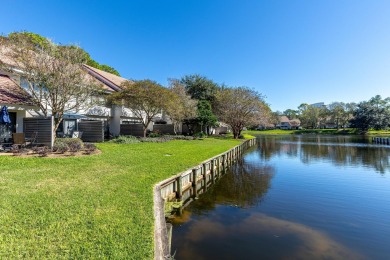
{"x": 291, "y": 51}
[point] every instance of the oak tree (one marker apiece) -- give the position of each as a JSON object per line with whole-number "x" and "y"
{"x": 145, "y": 98}
{"x": 240, "y": 107}
{"x": 184, "y": 109}
{"x": 374, "y": 113}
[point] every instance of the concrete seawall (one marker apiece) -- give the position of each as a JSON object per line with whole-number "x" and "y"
{"x": 186, "y": 185}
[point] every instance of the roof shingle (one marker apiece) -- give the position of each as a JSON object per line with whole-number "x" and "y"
{"x": 12, "y": 94}
{"x": 106, "y": 77}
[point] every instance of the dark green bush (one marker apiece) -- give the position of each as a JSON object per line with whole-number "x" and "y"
{"x": 153, "y": 135}
{"x": 200, "y": 135}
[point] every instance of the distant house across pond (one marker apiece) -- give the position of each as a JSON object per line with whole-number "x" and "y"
{"x": 286, "y": 124}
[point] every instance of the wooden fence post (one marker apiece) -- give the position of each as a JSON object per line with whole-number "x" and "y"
{"x": 204, "y": 169}
{"x": 194, "y": 181}
{"x": 179, "y": 188}
{"x": 212, "y": 172}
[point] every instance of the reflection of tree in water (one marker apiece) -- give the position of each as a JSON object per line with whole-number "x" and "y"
{"x": 243, "y": 186}
{"x": 271, "y": 146}
{"x": 268, "y": 147}
{"x": 375, "y": 157}
{"x": 340, "y": 150}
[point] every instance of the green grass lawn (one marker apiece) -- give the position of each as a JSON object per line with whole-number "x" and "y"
{"x": 98, "y": 206}
{"x": 379, "y": 132}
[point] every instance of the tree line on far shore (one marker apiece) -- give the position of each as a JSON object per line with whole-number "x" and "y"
{"x": 371, "y": 114}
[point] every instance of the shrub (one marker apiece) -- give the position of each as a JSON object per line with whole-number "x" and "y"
{"x": 200, "y": 135}
{"x": 89, "y": 148}
{"x": 154, "y": 134}
{"x": 17, "y": 150}
{"x": 60, "y": 147}
{"x": 181, "y": 137}
{"x": 161, "y": 139}
{"x": 43, "y": 151}
{"x": 73, "y": 145}
{"x": 125, "y": 139}
{"x": 35, "y": 149}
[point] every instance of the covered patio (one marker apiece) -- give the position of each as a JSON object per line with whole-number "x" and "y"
{"x": 17, "y": 102}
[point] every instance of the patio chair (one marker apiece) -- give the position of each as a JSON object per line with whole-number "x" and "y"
{"x": 22, "y": 141}
{"x": 77, "y": 134}
{"x": 19, "y": 139}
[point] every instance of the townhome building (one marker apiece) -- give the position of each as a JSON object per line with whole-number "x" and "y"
{"x": 110, "y": 117}
{"x": 286, "y": 124}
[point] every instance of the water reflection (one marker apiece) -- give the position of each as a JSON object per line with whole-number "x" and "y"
{"x": 244, "y": 187}
{"x": 220, "y": 237}
{"x": 339, "y": 150}
{"x": 293, "y": 198}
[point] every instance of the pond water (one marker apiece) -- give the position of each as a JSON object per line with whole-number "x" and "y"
{"x": 294, "y": 197}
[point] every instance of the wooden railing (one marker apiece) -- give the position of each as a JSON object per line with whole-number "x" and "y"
{"x": 381, "y": 140}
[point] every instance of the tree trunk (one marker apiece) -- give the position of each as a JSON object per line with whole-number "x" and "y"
{"x": 57, "y": 122}
{"x": 236, "y": 133}
{"x": 145, "y": 130}
{"x": 175, "y": 127}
